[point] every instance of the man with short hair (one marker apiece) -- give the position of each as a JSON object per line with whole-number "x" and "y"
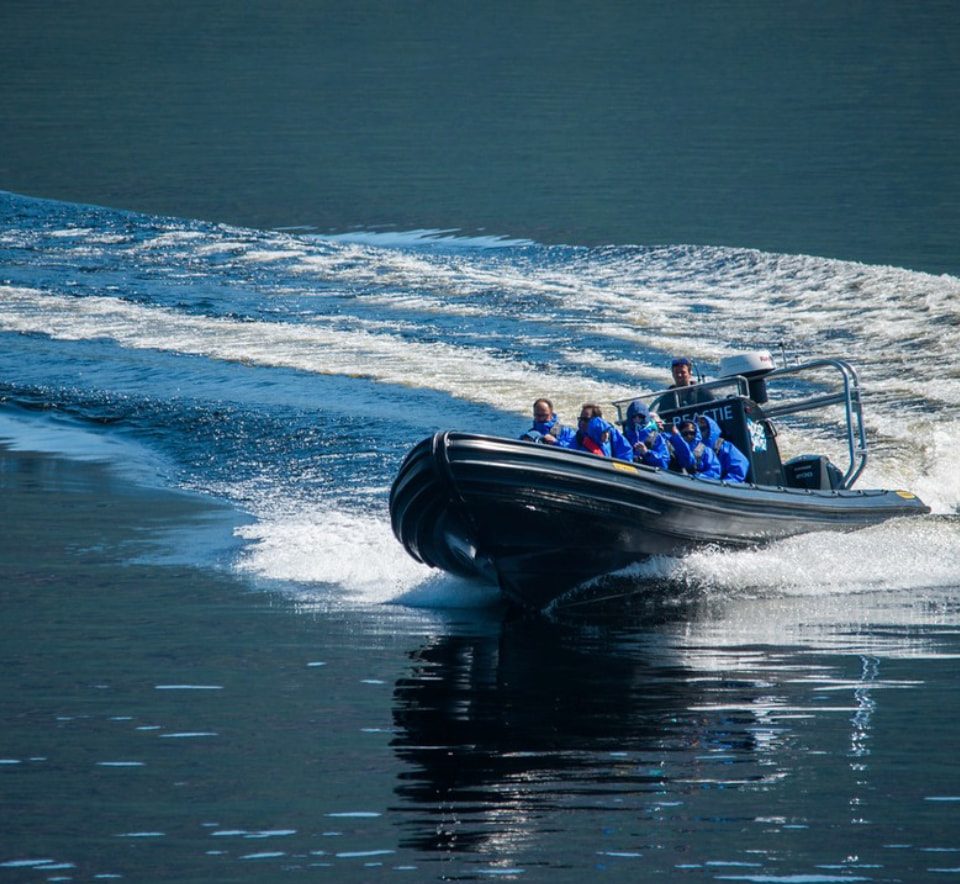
{"x": 547, "y": 428}
{"x": 683, "y": 378}
{"x": 682, "y": 370}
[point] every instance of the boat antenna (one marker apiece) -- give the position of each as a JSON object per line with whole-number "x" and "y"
{"x": 786, "y": 358}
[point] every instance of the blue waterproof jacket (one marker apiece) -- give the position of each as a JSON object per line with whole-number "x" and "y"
{"x": 696, "y": 458}
{"x": 563, "y": 435}
{"x": 733, "y": 463}
{"x": 615, "y": 445}
{"x": 658, "y": 448}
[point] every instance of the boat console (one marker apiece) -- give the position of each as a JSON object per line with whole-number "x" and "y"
{"x": 750, "y": 393}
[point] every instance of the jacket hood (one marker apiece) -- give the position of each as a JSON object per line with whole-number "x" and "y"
{"x": 696, "y": 440}
{"x": 596, "y": 428}
{"x": 713, "y": 428}
{"x": 545, "y": 426}
{"x": 638, "y": 408}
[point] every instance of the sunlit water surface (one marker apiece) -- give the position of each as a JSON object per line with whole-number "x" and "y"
{"x": 254, "y": 680}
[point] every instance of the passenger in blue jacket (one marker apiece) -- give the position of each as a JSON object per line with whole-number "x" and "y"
{"x": 693, "y": 456}
{"x": 600, "y": 437}
{"x": 547, "y": 428}
{"x": 643, "y": 430}
{"x": 734, "y": 465}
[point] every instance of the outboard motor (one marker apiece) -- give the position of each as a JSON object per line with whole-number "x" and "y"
{"x": 812, "y": 471}
{"x": 754, "y": 367}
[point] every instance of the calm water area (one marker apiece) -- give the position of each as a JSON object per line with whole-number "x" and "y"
{"x": 231, "y": 299}
{"x": 815, "y": 128}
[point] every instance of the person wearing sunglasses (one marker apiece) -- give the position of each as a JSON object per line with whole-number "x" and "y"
{"x": 643, "y": 429}
{"x": 599, "y": 437}
{"x": 693, "y": 456}
{"x": 547, "y": 428}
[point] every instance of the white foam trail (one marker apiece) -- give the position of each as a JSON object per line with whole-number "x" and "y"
{"x": 903, "y": 554}
{"x": 702, "y": 300}
{"x": 470, "y": 374}
{"x": 315, "y": 550}
{"x": 708, "y": 301}
{"x": 426, "y": 236}
{"x": 705, "y": 301}
{"x": 357, "y": 554}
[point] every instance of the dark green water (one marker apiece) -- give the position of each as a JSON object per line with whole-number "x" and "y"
{"x": 818, "y": 128}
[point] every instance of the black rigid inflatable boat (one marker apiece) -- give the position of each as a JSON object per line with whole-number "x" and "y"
{"x": 538, "y": 520}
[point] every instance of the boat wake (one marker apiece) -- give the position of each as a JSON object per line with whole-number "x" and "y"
{"x": 899, "y": 555}
{"x": 288, "y": 373}
{"x": 327, "y": 559}
{"x": 323, "y": 558}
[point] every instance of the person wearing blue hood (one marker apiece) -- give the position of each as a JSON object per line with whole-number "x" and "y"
{"x": 547, "y": 428}
{"x": 600, "y": 437}
{"x": 693, "y": 456}
{"x": 734, "y": 465}
{"x": 642, "y": 430}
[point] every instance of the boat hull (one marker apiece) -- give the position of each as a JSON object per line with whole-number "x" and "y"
{"x": 538, "y": 521}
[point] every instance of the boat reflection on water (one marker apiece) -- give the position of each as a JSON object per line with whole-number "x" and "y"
{"x": 721, "y": 732}
{"x": 502, "y": 730}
